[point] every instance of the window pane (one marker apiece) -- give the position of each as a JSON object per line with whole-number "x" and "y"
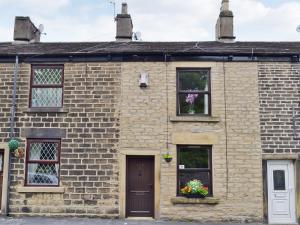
{"x": 43, "y": 151}
{"x": 46, "y": 97}
{"x": 193, "y": 104}
{"x": 47, "y": 75}
{"x": 185, "y": 176}
{"x": 194, "y": 157}
{"x": 42, "y": 174}
{"x": 279, "y": 180}
{"x": 193, "y": 80}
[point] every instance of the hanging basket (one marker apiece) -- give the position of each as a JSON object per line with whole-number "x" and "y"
{"x": 167, "y": 157}
{"x": 13, "y": 145}
{"x": 168, "y": 160}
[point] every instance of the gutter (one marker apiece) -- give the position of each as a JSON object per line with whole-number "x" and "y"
{"x": 12, "y": 124}
{"x": 152, "y": 57}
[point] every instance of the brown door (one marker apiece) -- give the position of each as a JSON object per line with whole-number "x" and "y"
{"x": 1, "y": 173}
{"x": 140, "y": 186}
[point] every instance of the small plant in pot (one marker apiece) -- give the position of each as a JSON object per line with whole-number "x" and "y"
{"x": 13, "y": 144}
{"x": 194, "y": 189}
{"x": 14, "y": 148}
{"x": 167, "y": 157}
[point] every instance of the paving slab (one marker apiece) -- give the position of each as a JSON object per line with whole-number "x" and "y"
{"x": 88, "y": 221}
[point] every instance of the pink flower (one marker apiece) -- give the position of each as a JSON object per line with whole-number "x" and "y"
{"x": 190, "y": 98}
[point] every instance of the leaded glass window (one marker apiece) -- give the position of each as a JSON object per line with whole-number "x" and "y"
{"x": 194, "y": 162}
{"x": 46, "y": 86}
{"x": 193, "y": 92}
{"x": 42, "y": 162}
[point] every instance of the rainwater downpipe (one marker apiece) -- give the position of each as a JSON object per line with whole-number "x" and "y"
{"x": 294, "y": 112}
{"x": 12, "y": 124}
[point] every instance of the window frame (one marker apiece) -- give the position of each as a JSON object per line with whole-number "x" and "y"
{"x": 32, "y": 85}
{"x": 209, "y": 169}
{"x": 27, "y": 161}
{"x": 178, "y": 91}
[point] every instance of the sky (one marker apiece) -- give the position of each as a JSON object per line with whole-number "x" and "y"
{"x": 157, "y": 20}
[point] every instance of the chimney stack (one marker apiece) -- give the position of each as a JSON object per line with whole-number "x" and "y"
{"x": 124, "y": 25}
{"x": 224, "y": 26}
{"x": 25, "y": 31}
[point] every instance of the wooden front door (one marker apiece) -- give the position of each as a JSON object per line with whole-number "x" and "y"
{"x": 140, "y": 186}
{"x": 1, "y": 173}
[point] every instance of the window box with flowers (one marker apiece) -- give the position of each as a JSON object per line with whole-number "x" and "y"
{"x": 194, "y": 189}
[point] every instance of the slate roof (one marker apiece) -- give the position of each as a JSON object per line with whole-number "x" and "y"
{"x": 180, "y": 48}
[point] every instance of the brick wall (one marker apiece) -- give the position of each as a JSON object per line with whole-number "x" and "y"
{"x": 279, "y": 85}
{"x": 89, "y": 163}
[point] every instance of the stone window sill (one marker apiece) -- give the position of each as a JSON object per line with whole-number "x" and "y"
{"x": 46, "y": 110}
{"x": 183, "y": 200}
{"x": 41, "y": 189}
{"x": 208, "y": 119}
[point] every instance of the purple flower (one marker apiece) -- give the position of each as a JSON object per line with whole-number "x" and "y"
{"x": 190, "y": 98}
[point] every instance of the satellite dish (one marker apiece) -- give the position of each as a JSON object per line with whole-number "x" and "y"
{"x": 137, "y": 36}
{"x": 41, "y": 28}
{"x": 298, "y": 28}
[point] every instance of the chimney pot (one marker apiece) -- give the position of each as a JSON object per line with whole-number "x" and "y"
{"x": 225, "y": 5}
{"x": 124, "y": 8}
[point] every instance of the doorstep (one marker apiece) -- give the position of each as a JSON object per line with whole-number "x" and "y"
{"x": 140, "y": 218}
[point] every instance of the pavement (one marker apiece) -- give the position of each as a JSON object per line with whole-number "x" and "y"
{"x": 88, "y": 221}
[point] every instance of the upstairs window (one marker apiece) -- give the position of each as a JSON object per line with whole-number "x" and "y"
{"x": 46, "y": 86}
{"x": 193, "y": 92}
{"x": 42, "y": 162}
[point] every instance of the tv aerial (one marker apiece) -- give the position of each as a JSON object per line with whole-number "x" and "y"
{"x": 137, "y": 36}
{"x": 114, "y": 6}
{"x": 41, "y": 29}
{"x": 298, "y": 28}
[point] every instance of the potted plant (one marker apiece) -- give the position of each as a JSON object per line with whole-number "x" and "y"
{"x": 194, "y": 189}
{"x": 14, "y": 148}
{"x": 167, "y": 157}
{"x": 190, "y": 99}
{"x": 13, "y": 144}
{"x": 19, "y": 153}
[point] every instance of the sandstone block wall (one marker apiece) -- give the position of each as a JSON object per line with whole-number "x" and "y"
{"x": 146, "y": 124}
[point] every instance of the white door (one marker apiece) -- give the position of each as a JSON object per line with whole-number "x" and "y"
{"x": 281, "y": 192}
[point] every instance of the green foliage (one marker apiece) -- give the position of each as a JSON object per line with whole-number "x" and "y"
{"x": 195, "y": 187}
{"x": 194, "y": 158}
{"x": 13, "y": 144}
{"x": 167, "y": 156}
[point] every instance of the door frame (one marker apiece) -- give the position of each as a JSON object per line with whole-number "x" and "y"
{"x": 122, "y": 171}
{"x": 293, "y": 201}
{"x": 3, "y": 207}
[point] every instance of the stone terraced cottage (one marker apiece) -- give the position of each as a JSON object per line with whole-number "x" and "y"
{"x": 95, "y": 119}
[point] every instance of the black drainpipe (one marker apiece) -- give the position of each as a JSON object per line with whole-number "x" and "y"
{"x": 12, "y": 123}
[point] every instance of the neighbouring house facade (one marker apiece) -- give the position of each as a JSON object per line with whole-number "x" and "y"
{"x": 279, "y": 113}
{"x": 94, "y": 120}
